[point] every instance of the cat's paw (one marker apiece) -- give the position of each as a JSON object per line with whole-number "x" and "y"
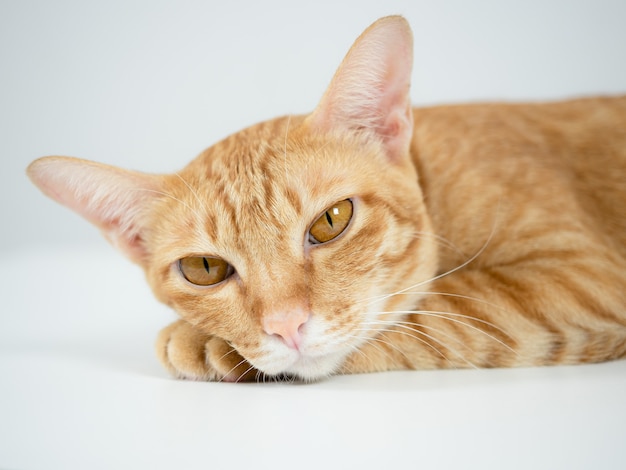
{"x": 190, "y": 354}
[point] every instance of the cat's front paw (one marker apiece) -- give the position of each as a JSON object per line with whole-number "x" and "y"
{"x": 190, "y": 354}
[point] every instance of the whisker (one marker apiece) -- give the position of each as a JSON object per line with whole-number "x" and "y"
{"x": 441, "y": 314}
{"x": 367, "y": 339}
{"x": 382, "y": 297}
{"x": 388, "y": 343}
{"x": 319, "y": 149}
{"x": 201, "y": 203}
{"x": 439, "y": 276}
{"x": 232, "y": 369}
{"x": 228, "y": 353}
{"x": 448, "y": 315}
{"x": 374, "y": 342}
{"x": 465, "y": 297}
{"x": 460, "y": 296}
{"x": 409, "y": 326}
{"x": 259, "y": 376}
{"x": 444, "y": 242}
{"x": 244, "y": 372}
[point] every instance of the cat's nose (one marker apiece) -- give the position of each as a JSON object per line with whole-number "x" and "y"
{"x": 287, "y": 326}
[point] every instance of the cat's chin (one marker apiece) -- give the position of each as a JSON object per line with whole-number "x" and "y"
{"x": 304, "y": 367}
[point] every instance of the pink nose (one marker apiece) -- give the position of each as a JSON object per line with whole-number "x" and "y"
{"x": 287, "y": 326}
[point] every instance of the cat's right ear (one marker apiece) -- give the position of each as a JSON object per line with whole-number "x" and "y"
{"x": 369, "y": 93}
{"x": 114, "y": 200}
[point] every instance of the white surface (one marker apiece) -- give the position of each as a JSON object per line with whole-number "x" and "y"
{"x": 81, "y": 388}
{"x": 147, "y": 84}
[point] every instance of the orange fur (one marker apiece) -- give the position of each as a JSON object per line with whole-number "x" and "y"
{"x": 482, "y": 235}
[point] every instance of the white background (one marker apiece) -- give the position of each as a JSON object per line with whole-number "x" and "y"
{"x": 149, "y": 84}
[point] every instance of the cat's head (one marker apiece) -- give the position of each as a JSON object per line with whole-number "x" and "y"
{"x": 288, "y": 238}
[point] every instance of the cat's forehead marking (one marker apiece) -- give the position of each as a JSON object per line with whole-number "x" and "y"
{"x": 262, "y": 188}
{"x": 251, "y": 191}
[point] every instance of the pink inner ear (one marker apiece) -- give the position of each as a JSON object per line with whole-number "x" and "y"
{"x": 114, "y": 200}
{"x": 370, "y": 90}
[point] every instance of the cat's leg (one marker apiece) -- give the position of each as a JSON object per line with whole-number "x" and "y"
{"x": 188, "y": 353}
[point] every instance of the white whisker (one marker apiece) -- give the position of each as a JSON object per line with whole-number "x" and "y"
{"x": 376, "y": 343}
{"x": 366, "y": 339}
{"x": 228, "y": 353}
{"x": 201, "y": 203}
{"x": 460, "y": 296}
{"x": 243, "y": 374}
{"x": 404, "y": 333}
{"x": 410, "y": 327}
{"x": 442, "y": 241}
{"x": 439, "y": 276}
{"x": 450, "y": 316}
{"x": 382, "y": 297}
{"x": 232, "y": 369}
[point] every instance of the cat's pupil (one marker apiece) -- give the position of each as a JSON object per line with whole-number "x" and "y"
{"x": 206, "y": 265}
{"x": 329, "y": 219}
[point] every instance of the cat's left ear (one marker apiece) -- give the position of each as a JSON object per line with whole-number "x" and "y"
{"x": 370, "y": 91}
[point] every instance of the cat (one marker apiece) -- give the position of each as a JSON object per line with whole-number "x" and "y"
{"x": 370, "y": 236}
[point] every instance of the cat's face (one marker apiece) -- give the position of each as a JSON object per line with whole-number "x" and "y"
{"x": 287, "y": 239}
{"x": 287, "y": 301}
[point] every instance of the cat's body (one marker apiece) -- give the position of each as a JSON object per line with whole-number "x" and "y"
{"x": 550, "y": 224}
{"x": 368, "y": 236}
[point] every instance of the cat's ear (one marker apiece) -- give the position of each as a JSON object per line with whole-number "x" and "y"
{"x": 113, "y": 199}
{"x": 370, "y": 90}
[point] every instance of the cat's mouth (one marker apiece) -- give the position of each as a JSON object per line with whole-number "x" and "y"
{"x": 298, "y": 365}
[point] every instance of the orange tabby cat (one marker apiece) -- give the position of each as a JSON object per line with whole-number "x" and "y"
{"x": 370, "y": 236}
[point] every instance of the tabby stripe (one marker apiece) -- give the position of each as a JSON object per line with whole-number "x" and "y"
{"x": 518, "y": 293}
{"x": 579, "y": 291}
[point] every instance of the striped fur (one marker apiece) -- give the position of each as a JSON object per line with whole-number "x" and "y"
{"x": 482, "y": 235}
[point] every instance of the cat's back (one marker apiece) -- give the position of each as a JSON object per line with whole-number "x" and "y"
{"x": 593, "y": 142}
{"x": 534, "y": 154}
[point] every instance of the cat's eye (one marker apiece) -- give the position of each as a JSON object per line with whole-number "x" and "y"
{"x": 332, "y": 222}
{"x": 204, "y": 270}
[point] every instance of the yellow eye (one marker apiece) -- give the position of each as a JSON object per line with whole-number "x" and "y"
{"x": 332, "y": 222}
{"x": 204, "y": 270}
